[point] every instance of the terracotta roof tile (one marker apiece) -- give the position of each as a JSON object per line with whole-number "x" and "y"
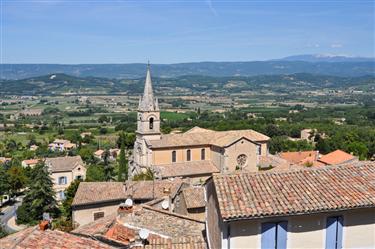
{"x": 300, "y": 157}
{"x": 336, "y": 157}
{"x": 94, "y": 192}
{"x": 149, "y": 190}
{"x": 194, "y": 197}
{"x": 312, "y": 190}
{"x": 186, "y": 169}
{"x": 124, "y": 227}
{"x": 97, "y": 192}
{"x": 34, "y": 238}
{"x": 177, "y": 243}
{"x": 205, "y": 137}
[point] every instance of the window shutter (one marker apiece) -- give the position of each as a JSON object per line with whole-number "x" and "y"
{"x": 331, "y": 233}
{"x": 268, "y": 236}
{"x": 282, "y": 231}
{"x": 339, "y": 232}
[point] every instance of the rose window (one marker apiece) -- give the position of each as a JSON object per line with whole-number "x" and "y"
{"x": 241, "y": 160}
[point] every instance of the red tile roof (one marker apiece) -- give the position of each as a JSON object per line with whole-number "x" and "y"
{"x": 98, "y": 192}
{"x": 313, "y": 190}
{"x": 34, "y": 238}
{"x": 177, "y": 243}
{"x": 194, "y": 197}
{"x": 336, "y": 157}
{"x": 193, "y": 168}
{"x": 300, "y": 157}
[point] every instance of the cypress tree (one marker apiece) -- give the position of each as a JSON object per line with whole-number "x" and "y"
{"x": 123, "y": 167}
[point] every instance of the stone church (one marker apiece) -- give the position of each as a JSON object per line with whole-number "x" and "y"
{"x": 195, "y": 154}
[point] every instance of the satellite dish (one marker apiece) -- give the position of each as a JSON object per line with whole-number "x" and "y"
{"x": 144, "y": 233}
{"x": 128, "y": 202}
{"x": 165, "y": 204}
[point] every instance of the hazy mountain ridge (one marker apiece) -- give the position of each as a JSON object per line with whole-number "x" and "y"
{"x": 62, "y": 84}
{"x": 221, "y": 69}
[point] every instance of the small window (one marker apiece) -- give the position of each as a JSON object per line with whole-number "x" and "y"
{"x": 259, "y": 150}
{"x": 61, "y": 195}
{"x": 173, "y": 156}
{"x": 334, "y": 232}
{"x": 98, "y": 215}
{"x": 188, "y": 155}
{"x": 203, "y": 154}
{"x": 62, "y": 180}
{"x": 79, "y": 177}
{"x": 151, "y": 123}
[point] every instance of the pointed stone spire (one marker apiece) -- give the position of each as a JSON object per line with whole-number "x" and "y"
{"x": 147, "y": 101}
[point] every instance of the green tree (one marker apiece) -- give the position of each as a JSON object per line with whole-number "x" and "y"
{"x": 16, "y": 179}
{"x": 39, "y": 198}
{"x": 70, "y": 192}
{"x": 4, "y": 184}
{"x": 144, "y": 176}
{"x": 95, "y": 173}
{"x": 123, "y": 166}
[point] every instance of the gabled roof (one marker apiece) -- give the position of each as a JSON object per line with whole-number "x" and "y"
{"x": 32, "y": 237}
{"x": 194, "y": 197}
{"x": 62, "y": 164}
{"x": 336, "y": 157}
{"x": 198, "y": 137}
{"x": 98, "y": 192}
{"x": 313, "y": 190}
{"x": 300, "y": 157}
{"x": 149, "y": 190}
{"x": 186, "y": 169}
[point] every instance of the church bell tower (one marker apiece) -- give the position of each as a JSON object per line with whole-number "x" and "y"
{"x": 148, "y": 116}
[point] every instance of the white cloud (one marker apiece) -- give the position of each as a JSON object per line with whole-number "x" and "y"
{"x": 212, "y": 9}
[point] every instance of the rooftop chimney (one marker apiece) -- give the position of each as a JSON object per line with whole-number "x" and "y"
{"x": 43, "y": 225}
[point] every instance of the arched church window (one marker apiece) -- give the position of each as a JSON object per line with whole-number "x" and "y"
{"x": 173, "y": 156}
{"x": 151, "y": 123}
{"x": 188, "y": 155}
{"x": 203, "y": 154}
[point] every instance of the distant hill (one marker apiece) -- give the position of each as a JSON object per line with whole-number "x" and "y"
{"x": 326, "y": 58}
{"x": 65, "y": 84}
{"x": 220, "y": 69}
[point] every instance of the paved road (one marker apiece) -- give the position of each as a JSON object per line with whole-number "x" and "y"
{"x": 9, "y": 212}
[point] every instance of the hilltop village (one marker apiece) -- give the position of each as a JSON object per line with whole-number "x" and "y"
{"x": 190, "y": 188}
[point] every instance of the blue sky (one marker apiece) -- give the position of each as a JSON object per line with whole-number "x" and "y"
{"x": 167, "y": 31}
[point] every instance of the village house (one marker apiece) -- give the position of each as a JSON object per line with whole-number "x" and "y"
{"x": 29, "y": 163}
{"x": 300, "y": 158}
{"x": 34, "y": 147}
{"x": 4, "y": 160}
{"x": 195, "y": 154}
{"x": 330, "y": 207}
{"x": 112, "y": 154}
{"x": 61, "y": 145}
{"x": 63, "y": 171}
{"x": 85, "y": 134}
{"x": 94, "y": 200}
